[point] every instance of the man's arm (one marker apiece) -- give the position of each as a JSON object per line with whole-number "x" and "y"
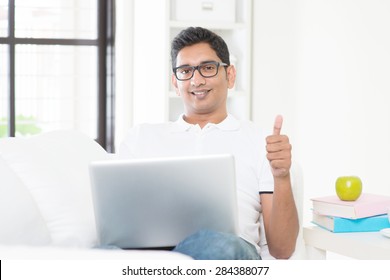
{"x": 279, "y": 211}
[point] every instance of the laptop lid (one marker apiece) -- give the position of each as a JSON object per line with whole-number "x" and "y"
{"x": 157, "y": 202}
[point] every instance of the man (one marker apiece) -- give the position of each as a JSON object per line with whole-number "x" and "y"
{"x": 201, "y": 76}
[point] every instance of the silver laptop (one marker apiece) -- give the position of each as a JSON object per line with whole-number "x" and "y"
{"x": 152, "y": 203}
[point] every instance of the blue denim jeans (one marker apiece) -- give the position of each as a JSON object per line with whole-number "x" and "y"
{"x": 213, "y": 245}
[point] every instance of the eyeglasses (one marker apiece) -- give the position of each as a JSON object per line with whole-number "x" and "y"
{"x": 206, "y": 69}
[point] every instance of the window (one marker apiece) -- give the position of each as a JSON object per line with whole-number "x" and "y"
{"x": 56, "y": 60}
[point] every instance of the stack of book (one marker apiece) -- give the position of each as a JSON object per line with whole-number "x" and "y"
{"x": 368, "y": 213}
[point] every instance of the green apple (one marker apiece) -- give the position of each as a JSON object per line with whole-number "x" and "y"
{"x": 349, "y": 188}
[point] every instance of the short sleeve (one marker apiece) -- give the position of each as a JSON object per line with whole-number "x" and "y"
{"x": 266, "y": 179}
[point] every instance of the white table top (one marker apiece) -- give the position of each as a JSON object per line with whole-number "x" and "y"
{"x": 359, "y": 245}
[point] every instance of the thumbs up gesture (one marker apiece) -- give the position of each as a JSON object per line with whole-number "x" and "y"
{"x": 279, "y": 150}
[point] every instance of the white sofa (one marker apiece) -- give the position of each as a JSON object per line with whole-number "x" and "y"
{"x": 46, "y": 207}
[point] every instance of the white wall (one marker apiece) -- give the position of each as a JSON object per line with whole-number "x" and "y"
{"x": 325, "y": 65}
{"x": 123, "y": 68}
{"x": 150, "y": 53}
{"x": 140, "y": 55}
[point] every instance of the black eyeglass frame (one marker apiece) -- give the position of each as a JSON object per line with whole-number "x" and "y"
{"x": 193, "y": 68}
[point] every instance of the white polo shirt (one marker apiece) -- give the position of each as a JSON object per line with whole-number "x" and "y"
{"x": 240, "y": 138}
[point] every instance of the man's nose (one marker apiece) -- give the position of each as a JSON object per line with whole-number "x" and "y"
{"x": 197, "y": 79}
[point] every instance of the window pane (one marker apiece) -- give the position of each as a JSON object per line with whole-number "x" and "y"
{"x": 56, "y": 88}
{"x": 3, "y": 18}
{"x": 3, "y": 90}
{"x": 56, "y": 19}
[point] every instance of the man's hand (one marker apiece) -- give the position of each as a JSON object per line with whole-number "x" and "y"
{"x": 279, "y": 150}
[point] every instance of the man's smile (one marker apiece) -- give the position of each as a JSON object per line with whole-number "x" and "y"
{"x": 200, "y": 93}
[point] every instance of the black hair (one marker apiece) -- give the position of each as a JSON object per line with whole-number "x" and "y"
{"x": 194, "y": 35}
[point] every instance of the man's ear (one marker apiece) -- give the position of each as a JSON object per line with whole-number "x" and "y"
{"x": 174, "y": 83}
{"x": 231, "y": 76}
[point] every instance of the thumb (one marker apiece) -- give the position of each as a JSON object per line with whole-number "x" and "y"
{"x": 278, "y": 124}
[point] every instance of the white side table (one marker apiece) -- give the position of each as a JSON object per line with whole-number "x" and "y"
{"x": 358, "y": 245}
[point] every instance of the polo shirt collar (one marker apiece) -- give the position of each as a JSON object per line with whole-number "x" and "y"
{"x": 229, "y": 123}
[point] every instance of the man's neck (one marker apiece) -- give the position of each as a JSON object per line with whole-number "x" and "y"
{"x": 204, "y": 119}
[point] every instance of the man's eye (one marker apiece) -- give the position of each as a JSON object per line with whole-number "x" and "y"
{"x": 208, "y": 67}
{"x": 185, "y": 70}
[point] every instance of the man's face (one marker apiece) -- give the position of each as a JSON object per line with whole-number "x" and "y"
{"x": 205, "y": 96}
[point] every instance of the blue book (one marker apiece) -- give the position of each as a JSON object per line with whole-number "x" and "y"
{"x": 338, "y": 224}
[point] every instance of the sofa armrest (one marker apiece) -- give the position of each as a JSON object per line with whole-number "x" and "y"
{"x": 53, "y": 168}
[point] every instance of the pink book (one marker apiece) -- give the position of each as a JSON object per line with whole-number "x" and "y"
{"x": 365, "y": 206}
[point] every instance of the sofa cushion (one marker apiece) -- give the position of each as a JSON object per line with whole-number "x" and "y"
{"x": 54, "y": 167}
{"x": 20, "y": 219}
